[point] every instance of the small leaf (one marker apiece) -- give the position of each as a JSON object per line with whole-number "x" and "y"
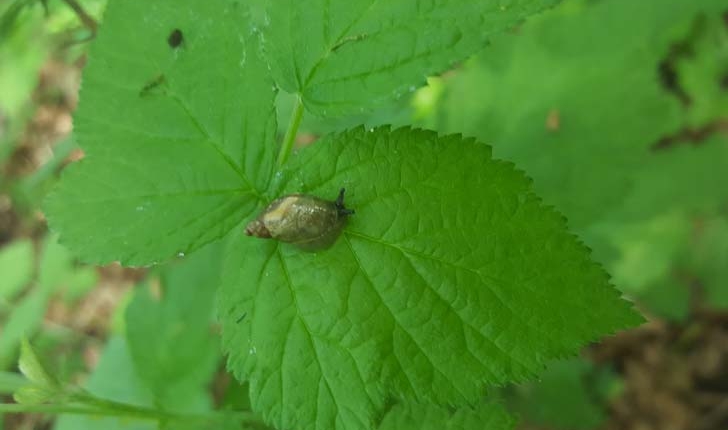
{"x": 451, "y": 275}
{"x": 56, "y": 263}
{"x": 16, "y": 266}
{"x": 33, "y": 394}
{"x": 169, "y": 336}
{"x": 343, "y": 56}
{"x": 11, "y": 382}
{"x": 25, "y": 318}
{"x": 31, "y": 367}
{"x": 177, "y": 140}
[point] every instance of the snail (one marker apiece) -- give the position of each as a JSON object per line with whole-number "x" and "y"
{"x": 308, "y": 222}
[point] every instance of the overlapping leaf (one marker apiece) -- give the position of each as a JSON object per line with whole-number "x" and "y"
{"x": 177, "y": 138}
{"x": 451, "y": 275}
{"x": 346, "y": 56}
{"x": 169, "y": 336}
{"x": 577, "y": 100}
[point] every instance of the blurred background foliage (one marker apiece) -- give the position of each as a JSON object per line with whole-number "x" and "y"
{"x": 618, "y": 109}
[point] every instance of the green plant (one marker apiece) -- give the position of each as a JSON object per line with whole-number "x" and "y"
{"x": 451, "y": 276}
{"x": 56, "y": 275}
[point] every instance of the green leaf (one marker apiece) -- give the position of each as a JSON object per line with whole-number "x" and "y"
{"x": 170, "y": 336}
{"x": 484, "y": 416}
{"x": 708, "y": 260}
{"x": 669, "y": 298}
{"x": 555, "y": 102}
{"x": 184, "y": 162}
{"x": 451, "y": 275}
{"x": 11, "y": 382}
{"x": 346, "y": 56}
{"x": 79, "y": 283}
{"x": 22, "y": 39}
{"x": 24, "y": 319}
{"x": 56, "y": 264}
{"x": 16, "y": 266}
{"x": 648, "y": 250}
{"x": 113, "y": 378}
{"x": 704, "y": 69}
{"x": 43, "y": 386}
{"x": 564, "y": 396}
{"x": 31, "y": 367}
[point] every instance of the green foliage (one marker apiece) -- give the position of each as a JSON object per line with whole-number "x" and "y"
{"x": 581, "y": 114}
{"x": 114, "y": 378}
{"x": 491, "y": 283}
{"x": 31, "y": 367}
{"x": 708, "y": 261}
{"x": 452, "y": 275}
{"x": 569, "y": 395}
{"x": 20, "y": 25}
{"x": 703, "y": 69}
{"x": 43, "y": 386}
{"x": 11, "y": 382}
{"x": 614, "y": 108}
{"x": 56, "y": 272}
{"x": 348, "y": 56}
{"x": 186, "y": 163}
{"x": 166, "y": 358}
{"x": 169, "y": 336}
{"x": 16, "y": 266}
{"x": 484, "y": 416}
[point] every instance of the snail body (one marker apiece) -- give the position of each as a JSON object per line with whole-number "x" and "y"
{"x": 308, "y": 222}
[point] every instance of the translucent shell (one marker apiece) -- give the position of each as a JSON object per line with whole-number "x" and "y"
{"x": 308, "y": 222}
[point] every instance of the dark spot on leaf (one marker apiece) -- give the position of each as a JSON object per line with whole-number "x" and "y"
{"x": 680, "y": 51}
{"x": 669, "y": 79}
{"x": 242, "y": 317}
{"x": 175, "y": 38}
{"x": 724, "y": 82}
{"x": 152, "y": 84}
{"x": 691, "y": 135}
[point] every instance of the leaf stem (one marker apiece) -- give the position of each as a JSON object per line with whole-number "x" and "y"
{"x": 290, "y": 136}
{"x": 85, "y": 18}
{"x": 109, "y": 408}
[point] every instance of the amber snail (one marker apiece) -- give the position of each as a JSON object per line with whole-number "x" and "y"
{"x": 308, "y": 222}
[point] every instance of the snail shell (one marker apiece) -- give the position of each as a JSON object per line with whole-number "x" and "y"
{"x": 308, "y": 222}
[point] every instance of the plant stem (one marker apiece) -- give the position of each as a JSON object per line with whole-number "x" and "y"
{"x": 290, "y": 136}
{"x": 85, "y": 18}
{"x": 142, "y": 413}
{"x": 108, "y": 408}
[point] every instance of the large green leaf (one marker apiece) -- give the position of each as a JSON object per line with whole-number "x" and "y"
{"x": 484, "y": 416}
{"x": 346, "y": 56}
{"x": 177, "y": 139}
{"x": 575, "y": 98}
{"x": 451, "y": 275}
{"x": 169, "y": 336}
